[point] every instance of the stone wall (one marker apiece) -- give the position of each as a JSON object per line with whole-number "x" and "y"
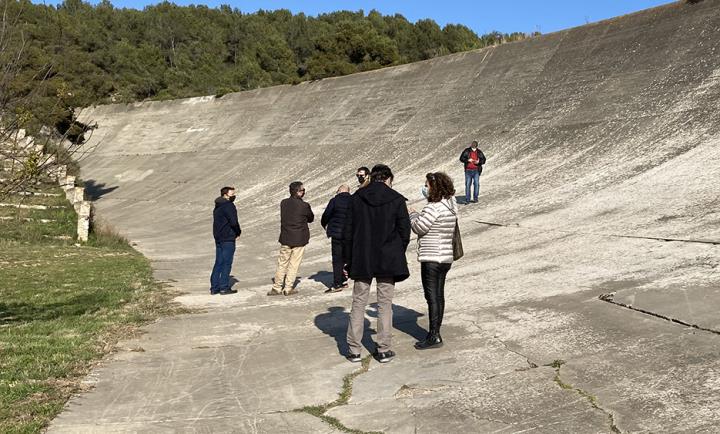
{"x": 20, "y": 149}
{"x": 83, "y": 207}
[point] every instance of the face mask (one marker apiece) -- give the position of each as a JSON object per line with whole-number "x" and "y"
{"x": 424, "y": 192}
{"x": 231, "y": 198}
{"x": 361, "y": 179}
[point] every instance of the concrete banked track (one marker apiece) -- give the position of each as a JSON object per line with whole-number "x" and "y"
{"x": 603, "y": 143}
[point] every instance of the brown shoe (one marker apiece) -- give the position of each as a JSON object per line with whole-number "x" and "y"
{"x": 273, "y": 292}
{"x": 292, "y": 292}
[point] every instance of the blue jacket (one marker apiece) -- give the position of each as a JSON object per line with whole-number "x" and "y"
{"x": 333, "y": 219}
{"x": 225, "y": 221}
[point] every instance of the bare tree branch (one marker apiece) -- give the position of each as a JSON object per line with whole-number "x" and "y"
{"x": 26, "y": 160}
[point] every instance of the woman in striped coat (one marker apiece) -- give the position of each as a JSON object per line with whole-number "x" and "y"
{"x": 435, "y": 226}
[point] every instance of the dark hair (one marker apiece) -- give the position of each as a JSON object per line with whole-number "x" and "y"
{"x": 295, "y": 187}
{"x": 474, "y": 142}
{"x": 363, "y": 168}
{"x": 441, "y": 186}
{"x": 381, "y": 172}
{"x": 225, "y": 190}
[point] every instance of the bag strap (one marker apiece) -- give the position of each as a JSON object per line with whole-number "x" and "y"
{"x": 449, "y": 209}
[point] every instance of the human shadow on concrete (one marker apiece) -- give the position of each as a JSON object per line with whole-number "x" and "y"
{"x": 324, "y": 277}
{"x": 461, "y": 200}
{"x": 405, "y": 320}
{"x": 95, "y": 190}
{"x": 334, "y": 323}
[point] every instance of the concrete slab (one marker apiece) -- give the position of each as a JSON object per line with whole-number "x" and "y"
{"x": 696, "y": 305}
{"x": 602, "y": 141}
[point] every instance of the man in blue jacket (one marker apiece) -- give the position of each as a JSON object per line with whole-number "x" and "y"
{"x": 226, "y": 229}
{"x": 333, "y": 220}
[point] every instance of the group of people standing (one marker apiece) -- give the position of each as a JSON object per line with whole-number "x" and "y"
{"x": 370, "y": 233}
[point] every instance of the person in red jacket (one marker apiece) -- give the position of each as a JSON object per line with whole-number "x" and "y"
{"x": 473, "y": 159}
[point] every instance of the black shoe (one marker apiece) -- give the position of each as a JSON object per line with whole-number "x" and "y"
{"x": 384, "y": 357}
{"x": 228, "y": 291}
{"x": 355, "y": 358}
{"x": 273, "y": 292}
{"x": 432, "y": 341}
{"x": 214, "y": 291}
{"x": 337, "y": 288}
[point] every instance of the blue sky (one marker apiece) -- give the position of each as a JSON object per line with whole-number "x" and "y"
{"x": 482, "y": 16}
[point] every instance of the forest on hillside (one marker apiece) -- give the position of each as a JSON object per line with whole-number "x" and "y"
{"x": 77, "y": 54}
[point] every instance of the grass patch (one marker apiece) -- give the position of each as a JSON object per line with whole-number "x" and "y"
{"x": 39, "y": 226}
{"x": 105, "y": 235}
{"x": 62, "y": 307}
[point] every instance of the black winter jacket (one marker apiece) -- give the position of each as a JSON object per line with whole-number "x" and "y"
{"x": 333, "y": 219}
{"x": 376, "y": 234}
{"x": 465, "y": 156}
{"x": 225, "y": 221}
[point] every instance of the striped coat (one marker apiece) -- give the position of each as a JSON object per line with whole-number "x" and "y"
{"x": 435, "y": 226}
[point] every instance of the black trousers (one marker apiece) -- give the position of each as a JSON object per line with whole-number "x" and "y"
{"x": 337, "y": 262}
{"x": 433, "y": 276}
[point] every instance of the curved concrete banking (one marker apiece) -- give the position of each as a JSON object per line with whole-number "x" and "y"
{"x": 602, "y": 141}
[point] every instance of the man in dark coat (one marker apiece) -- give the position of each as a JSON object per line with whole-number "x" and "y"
{"x": 473, "y": 160}
{"x": 295, "y": 214}
{"x": 333, "y": 220}
{"x": 363, "y": 177}
{"x": 376, "y": 235}
{"x": 226, "y": 229}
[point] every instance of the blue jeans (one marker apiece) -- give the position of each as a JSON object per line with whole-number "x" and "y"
{"x": 220, "y": 277}
{"x": 472, "y": 177}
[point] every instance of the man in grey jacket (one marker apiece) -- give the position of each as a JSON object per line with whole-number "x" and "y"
{"x": 295, "y": 214}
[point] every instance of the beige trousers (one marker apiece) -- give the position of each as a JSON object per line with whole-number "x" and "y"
{"x": 287, "y": 267}
{"x": 361, "y": 293}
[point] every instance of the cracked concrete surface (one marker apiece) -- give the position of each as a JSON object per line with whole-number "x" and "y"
{"x": 601, "y": 141}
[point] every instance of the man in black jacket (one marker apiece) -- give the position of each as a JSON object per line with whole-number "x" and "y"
{"x": 295, "y": 214}
{"x": 226, "y": 229}
{"x": 333, "y": 220}
{"x": 473, "y": 160}
{"x": 375, "y": 237}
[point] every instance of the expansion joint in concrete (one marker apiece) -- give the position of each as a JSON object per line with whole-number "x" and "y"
{"x": 557, "y": 364}
{"x": 610, "y": 298}
{"x": 531, "y": 364}
{"x": 320, "y": 411}
{"x": 593, "y": 234}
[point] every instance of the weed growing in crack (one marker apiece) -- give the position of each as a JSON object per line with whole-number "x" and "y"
{"x": 560, "y": 383}
{"x": 592, "y": 399}
{"x": 556, "y": 363}
{"x": 343, "y": 397}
